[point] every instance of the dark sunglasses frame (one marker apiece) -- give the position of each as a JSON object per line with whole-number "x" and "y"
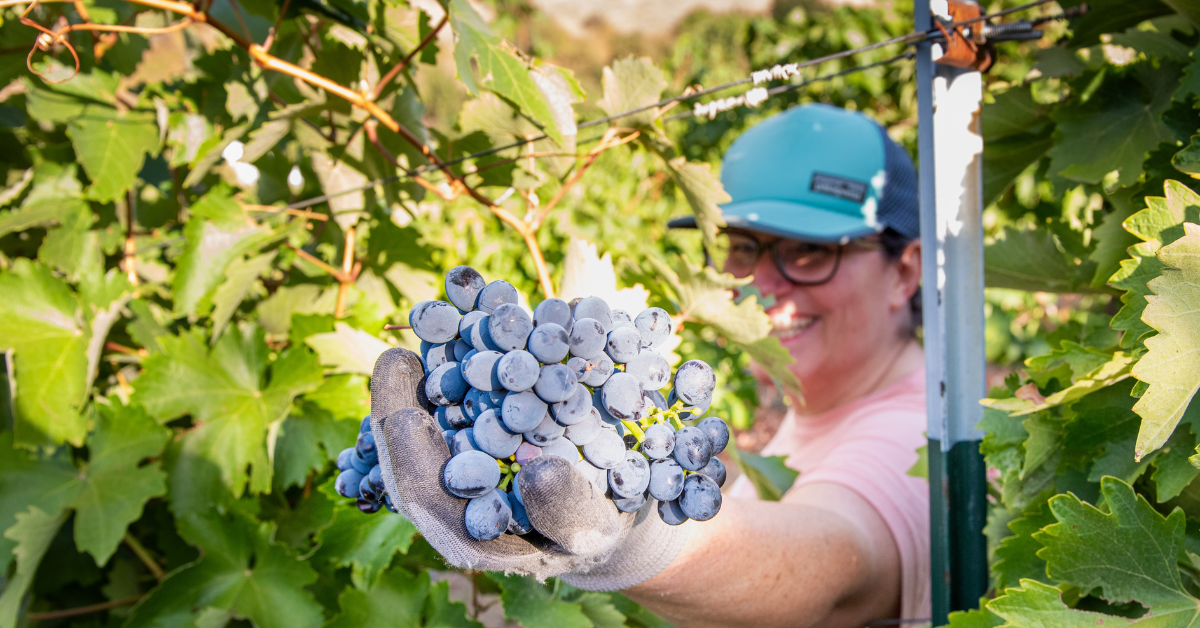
{"x": 773, "y": 249}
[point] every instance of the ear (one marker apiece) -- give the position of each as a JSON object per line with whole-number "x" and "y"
{"x": 908, "y": 275}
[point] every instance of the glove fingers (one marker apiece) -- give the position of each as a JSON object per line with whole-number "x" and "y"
{"x": 568, "y": 509}
{"x": 398, "y": 381}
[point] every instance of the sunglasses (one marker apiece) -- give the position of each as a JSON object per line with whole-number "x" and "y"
{"x": 802, "y": 263}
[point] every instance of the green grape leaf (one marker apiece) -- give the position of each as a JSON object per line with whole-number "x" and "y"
{"x": 1188, "y": 159}
{"x": 599, "y": 608}
{"x": 1101, "y": 433}
{"x": 347, "y": 350}
{"x": 208, "y": 153}
{"x": 770, "y": 475}
{"x": 32, "y": 534}
{"x": 344, "y": 396}
{"x": 397, "y": 598}
{"x": 534, "y": 605}
{"x": 1015, "y": 136}
{"x": 920, "y": 468}
{"x": 241, "y": 571}
{"x": 276, "y": 311}
{"x": 239, "y": 277}
{"x": 27, "y": 479}
{"x": 1031, "y": 260}
{"x": 440, "y": 612}
{"x": 483, "y": 63}
{"x": 976, "y": 618}
{"x": 365, "y": 543}
{"x": 1117, "y": 368}
{"x": 1037, "y": 604}
{"x": 1112, "y": 240}
{"x": 1129, "y": 553}
{"x": 55, "y": 197}
{"x": 1171, "y": 365}
{"x": 1016, "y": 557}
{"x": 704, "y": 193}
{"x": 309, "y": 440}
{"x": 217, "y": 233}
{"x": 632, "y": 83}
{"x": 338, "y": 177}
{"x": 112, "y": 146}
{"x": 1172, "y": 471}
{"x": 73, "y": 247}
{"x": 1111, "y": 16}
{"x": 232, "y": 393}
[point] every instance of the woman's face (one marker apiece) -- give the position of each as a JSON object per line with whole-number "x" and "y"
{"x": 841, "y": 328}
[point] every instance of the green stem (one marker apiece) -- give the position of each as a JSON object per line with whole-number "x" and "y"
{"x": 637, "y": 431}
{"x": 504, "y": 482}
{"x": 676, "y": 423}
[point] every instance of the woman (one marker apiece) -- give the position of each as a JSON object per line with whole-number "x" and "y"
{"x": 824, "y": 216}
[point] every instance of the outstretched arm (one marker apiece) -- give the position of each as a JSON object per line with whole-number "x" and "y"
{"x": 823, "y": 557}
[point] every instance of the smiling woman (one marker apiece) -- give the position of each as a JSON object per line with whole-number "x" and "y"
{"x": 824, "y": 218}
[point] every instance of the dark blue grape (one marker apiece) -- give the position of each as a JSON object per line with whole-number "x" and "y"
{"x": 366, "y": 491}
{"x": 587, "y": 338}
{"x": 575, "y": 409}
{"x": 481, "y": 337}
{"x": 651, "y": 369}
{"x": 562, "y": 448}
{"x": 487, "y": 517}
{"x": 516, "y": 487}
{"x": 548, "y": 343}
{"x": 471, "y": 405}
{"x": 496, "y": 294}
{"x": 471, "y": 474}
{"x": 466, "y": 356}
{"x": 579, "y": 368}
{"x": 492, "y": 437}
{"x": 365, "y": 447}
{"x": 467, "y": 326}
{"x": 522, "y": 411}
{"x": 518, "y": 370}
{"x": 367, "y": 506}
{"x": 597, "y": 476}
{"x": 365, "y": 426}
{"x": 694, "y": 383}
{"x": 701, "y": 498}
{"x": 606, "y": 419}
{"x": 599, "y": 369}
{"x": 457, "y": 417}
{"x": 425, "y": 346}
{"x": 621, "y": 318}
{"x": 692, "y": 449}
{"x": 463, "y": 440}
{"x": 659, "y": 441}
{"x": 387, "y": 501}
{"x": 653, "y": 325}
{"x": 480, "y": 370}
{"x": 622, "y": 396}
{"x": 347, "y": 482}
{"x": 623, "y": 344}
{"x": 438, "y": 355}
{"x": 671, "y": 513}
{"x": 554, "y": 311}
{"x": 544, "y": 432}
{"x": 487, "y": 402}
{"x": 360, "y": 464}
{"x": 463, "y": 285}
{"x": 344, "y": 458}
{"x": 631, "y": 476}
{"x": 715, "y": 469}
{"x": 657, "y": 399}
{"x": 449, "y": 436}
{"x": 594, "y": 308}
{"x": 496, "y": 397}
{"x": 555, "y": 383}
{"x": 509, "y": 327}
{"x": 717, "y": 432}
{"x": 582, "y": 432}
{"x": 666, "y": 479}
{"x": 434, "y": 321}
{"x": 461, "y": 347}
{"x": 520, "y": 519}
{"x": 629, "y": 504}
{"x": 445, "y": 386}
{"x": 606, "y": 451}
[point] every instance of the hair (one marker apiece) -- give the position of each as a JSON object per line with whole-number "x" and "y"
{"x": 894, "y": 243}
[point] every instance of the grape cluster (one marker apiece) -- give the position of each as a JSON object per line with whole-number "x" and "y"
{"x": 360, "y": 476}
{"x": 577, "y": 380}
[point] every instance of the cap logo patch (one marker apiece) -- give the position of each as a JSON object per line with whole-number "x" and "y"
{"x": 846, "y": 189}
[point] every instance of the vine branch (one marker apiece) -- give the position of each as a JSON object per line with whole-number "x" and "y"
{"x": 83, "y": 610}
{"x": 399, "y": 67}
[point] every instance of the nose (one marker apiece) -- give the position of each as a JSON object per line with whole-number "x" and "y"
{"x": 768, "y": 279}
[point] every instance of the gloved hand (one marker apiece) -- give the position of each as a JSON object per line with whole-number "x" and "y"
{"x": 579, "y": 534}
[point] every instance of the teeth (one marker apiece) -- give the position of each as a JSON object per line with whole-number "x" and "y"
{"x": 786, "y": 327}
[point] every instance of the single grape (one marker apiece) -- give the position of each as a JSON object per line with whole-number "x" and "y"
{"x": 480, "y": 370}
{"x": 445, "y": 386}
{"x": 522, "y": 411}
{"x": 463, "y": 285}
{"x": 629, "y": 504}
{"x": 344, "y": 458}
{"x": 622, "y": 396}
{"x": 555, "y": 383}
{"x": 461, "y": 347}
{"x": 425, "y": 347}
{"x": 527, "y": 452}
{"x": 584, "y": 431}
{"x": 606, "y": 419}
{"x": 650, "y": 368}
{"x": 562, "y": 448}
{"x": 365, "y": 425}
{"x": 666, "y": 479}
{"x": 463, "y": 440}
{"x": 487, "y": 517}
{"x": 579, "y": 368}
{"x": 671, "y": 513}
{"x": 367, "y": 506}
{"x": 552, "y": 311}
{"x": 694, "y": 383}
{"x": 587, "y": 338}
{"x": 467, "y": 325}
{"x": 544, "y": 432}
{"x": 659, "y": 441}
{"x": 519, "y": 524}
{"x": 653, "y": 325}
{"x": 594, "y": 308}
{"x": 518, "y": 370}
{"x": 509, "y": 327}
{"x": 487, "y": 402}
{"x": 701, "y": 498}
{"x": 462, "y": 365}
{"x": 692, "y": 449}
{"x": 347, "y": 482}
{"x": 717, "y": 432}
{"x": 630, "y": 441}
{"x": 449, "y": 436}
{"x": 631, "y": 476}
{"x": 387, "y": 501}
{"x": 516, "y": 487}
{"x": 599, "y": 369}
{"x": 434, "y": 321}
{"x": 575, "y": 409}
{"x": 492, "y": 437}
{"x": 438, "y": 355}
{"x": 365, "y": 447}
{"x": 606, "y": 451}
{"x": 471, "y": 474}
{"x": 452, "y": 417}
{"x": 471, "y": 405}
{"x": 548, "y": 343}
{"x": 623, "y": 344}
{"x": 496, "y": 294}
{"x": 597, "y": 476}
{"x": 657, "y": 399}
{"x": 621, "y": 318}
{"x": 360, "y": 464}
{"x": 715, "y": 469}
{"x": 366, "y": 491}
{"x": 481, "y": 335}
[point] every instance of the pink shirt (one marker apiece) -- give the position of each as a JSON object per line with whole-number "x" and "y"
{"x": 868, "y": 446}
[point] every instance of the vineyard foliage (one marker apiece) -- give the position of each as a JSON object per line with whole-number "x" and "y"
{"x": 185, "y": 356}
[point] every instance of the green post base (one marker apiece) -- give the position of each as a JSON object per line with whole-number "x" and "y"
{"x": 958, "y": 514}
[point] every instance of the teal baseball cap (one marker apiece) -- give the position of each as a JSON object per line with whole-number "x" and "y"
{"x": 818, "y": 173}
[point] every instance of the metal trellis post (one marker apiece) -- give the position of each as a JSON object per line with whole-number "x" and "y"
{"x": 950, "y": 155}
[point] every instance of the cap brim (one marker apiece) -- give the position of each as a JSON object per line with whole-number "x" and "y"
{"x": 788, "y": 220}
